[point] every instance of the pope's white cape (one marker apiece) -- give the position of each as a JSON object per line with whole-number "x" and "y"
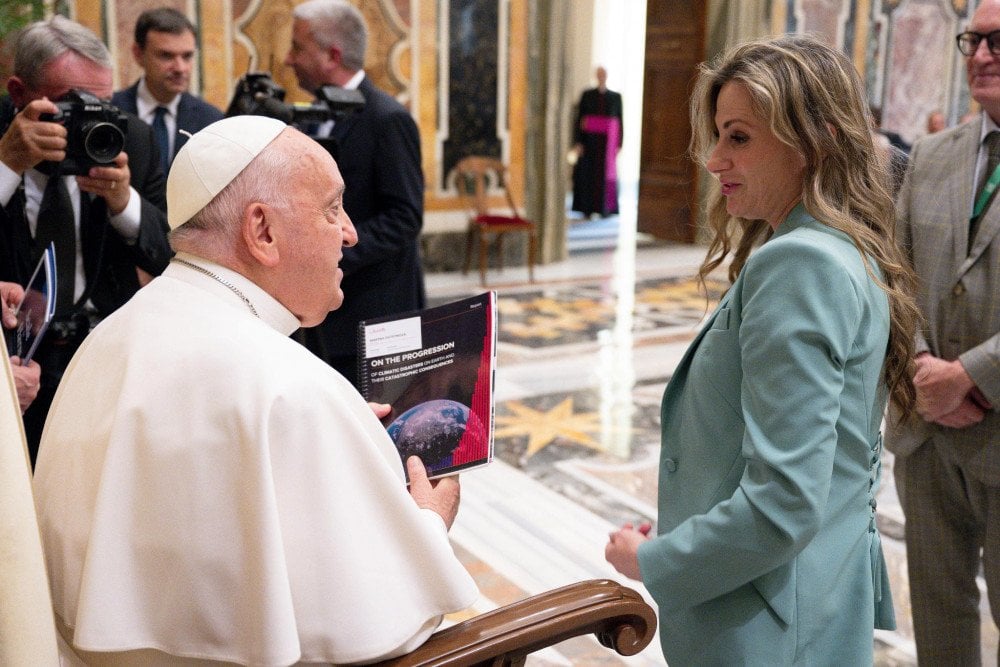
{"x": 207, "y": 487}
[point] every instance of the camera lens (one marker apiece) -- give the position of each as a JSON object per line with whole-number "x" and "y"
{"x": 103, "y": 142}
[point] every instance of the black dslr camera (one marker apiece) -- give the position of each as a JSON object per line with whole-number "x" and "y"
{"x": 257, "y": 94}
{"x": 95, "y": 131}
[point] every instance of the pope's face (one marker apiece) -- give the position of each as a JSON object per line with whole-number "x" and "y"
{"x": 761, "y": 177}
{"x": 316, "y": 230}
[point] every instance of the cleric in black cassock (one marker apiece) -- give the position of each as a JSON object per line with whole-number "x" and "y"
{"x": 598, "y": 136}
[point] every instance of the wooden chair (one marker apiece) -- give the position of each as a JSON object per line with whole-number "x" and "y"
{"x": 475, "y": 177}
{"x": 619, "y": 616}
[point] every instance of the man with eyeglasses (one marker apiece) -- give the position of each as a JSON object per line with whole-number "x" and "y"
{"x": 947, "y": 464}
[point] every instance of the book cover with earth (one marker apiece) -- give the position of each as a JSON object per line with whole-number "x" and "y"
{"x": 435, "y": 368}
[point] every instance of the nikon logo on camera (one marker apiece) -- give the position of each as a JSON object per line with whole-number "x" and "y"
{"x": 95, "y": 131}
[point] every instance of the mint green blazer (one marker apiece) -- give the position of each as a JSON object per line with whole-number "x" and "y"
{"x": 767, "y": 551}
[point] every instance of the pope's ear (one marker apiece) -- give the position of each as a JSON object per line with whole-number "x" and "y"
{"x": 258, "y": 233}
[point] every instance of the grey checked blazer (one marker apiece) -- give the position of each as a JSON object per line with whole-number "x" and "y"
{"x": 959, "y": 293}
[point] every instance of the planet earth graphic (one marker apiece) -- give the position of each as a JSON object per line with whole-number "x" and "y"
{"x": 431, "y": 430}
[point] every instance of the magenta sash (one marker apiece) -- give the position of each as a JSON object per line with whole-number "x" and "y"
{"x": 609, "y": 126}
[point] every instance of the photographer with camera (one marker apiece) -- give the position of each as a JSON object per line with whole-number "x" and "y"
{"x": 378, "y": 151}
{"x": 77, "y": 172}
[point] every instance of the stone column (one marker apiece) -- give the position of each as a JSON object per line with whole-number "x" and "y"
{"x": 548, "y": 109}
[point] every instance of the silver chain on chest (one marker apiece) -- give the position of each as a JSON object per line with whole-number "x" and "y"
{"x": 219, "y": 279}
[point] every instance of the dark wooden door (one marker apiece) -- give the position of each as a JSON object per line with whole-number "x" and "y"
{"x": 668, "y": 179}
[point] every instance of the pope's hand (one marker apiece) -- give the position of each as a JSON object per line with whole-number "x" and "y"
{"x": 440, "y": 495}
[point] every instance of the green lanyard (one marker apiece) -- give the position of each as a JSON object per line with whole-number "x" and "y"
{"x": 987, "y": 193}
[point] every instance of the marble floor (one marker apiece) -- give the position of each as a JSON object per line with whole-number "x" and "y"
{"x": 583, "y": 356}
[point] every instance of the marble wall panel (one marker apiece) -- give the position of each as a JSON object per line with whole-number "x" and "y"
{"x": 829, "y": 20}
{"x": 473, "y": 58}
{"x": 388, "y": 61}
{"x": 841, "y": 23}
{"x": 216, "y": 50}
{"x": 904, "y": 49}
{"x": 472, "y": 90}
{"x": 922, "y": 67}
{"x": 263, "y": 32}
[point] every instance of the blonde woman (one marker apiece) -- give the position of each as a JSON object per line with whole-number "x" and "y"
{"x": 766, "y": 551}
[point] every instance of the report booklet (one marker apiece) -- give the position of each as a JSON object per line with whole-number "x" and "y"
{"x": 36, "y": 309}
{"x": 435, "y": 367}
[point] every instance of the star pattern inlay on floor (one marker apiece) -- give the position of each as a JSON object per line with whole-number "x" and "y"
{"x": 542, "y": 427}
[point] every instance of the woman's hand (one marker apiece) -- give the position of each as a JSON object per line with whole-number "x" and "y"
{"x": 623, "y": 548}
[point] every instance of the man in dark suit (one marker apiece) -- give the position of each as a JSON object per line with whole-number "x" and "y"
{"x": 164, "y": 48}
{"x": 378, "y": 152}
{"x": 109, "y": 225}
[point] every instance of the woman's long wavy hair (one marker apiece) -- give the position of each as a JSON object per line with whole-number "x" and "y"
{"x": 814, "y": 101}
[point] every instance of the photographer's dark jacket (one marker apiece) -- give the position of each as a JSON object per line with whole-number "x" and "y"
{"x": 378, "y": 152}
{"x": 109, "y": 262}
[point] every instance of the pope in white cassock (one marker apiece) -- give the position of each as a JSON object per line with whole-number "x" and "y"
{"x": 208, "y": 490}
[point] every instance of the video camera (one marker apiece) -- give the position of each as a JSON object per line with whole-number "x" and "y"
{"x": 257, "y": 94}
{"x": 95, "y": 131}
